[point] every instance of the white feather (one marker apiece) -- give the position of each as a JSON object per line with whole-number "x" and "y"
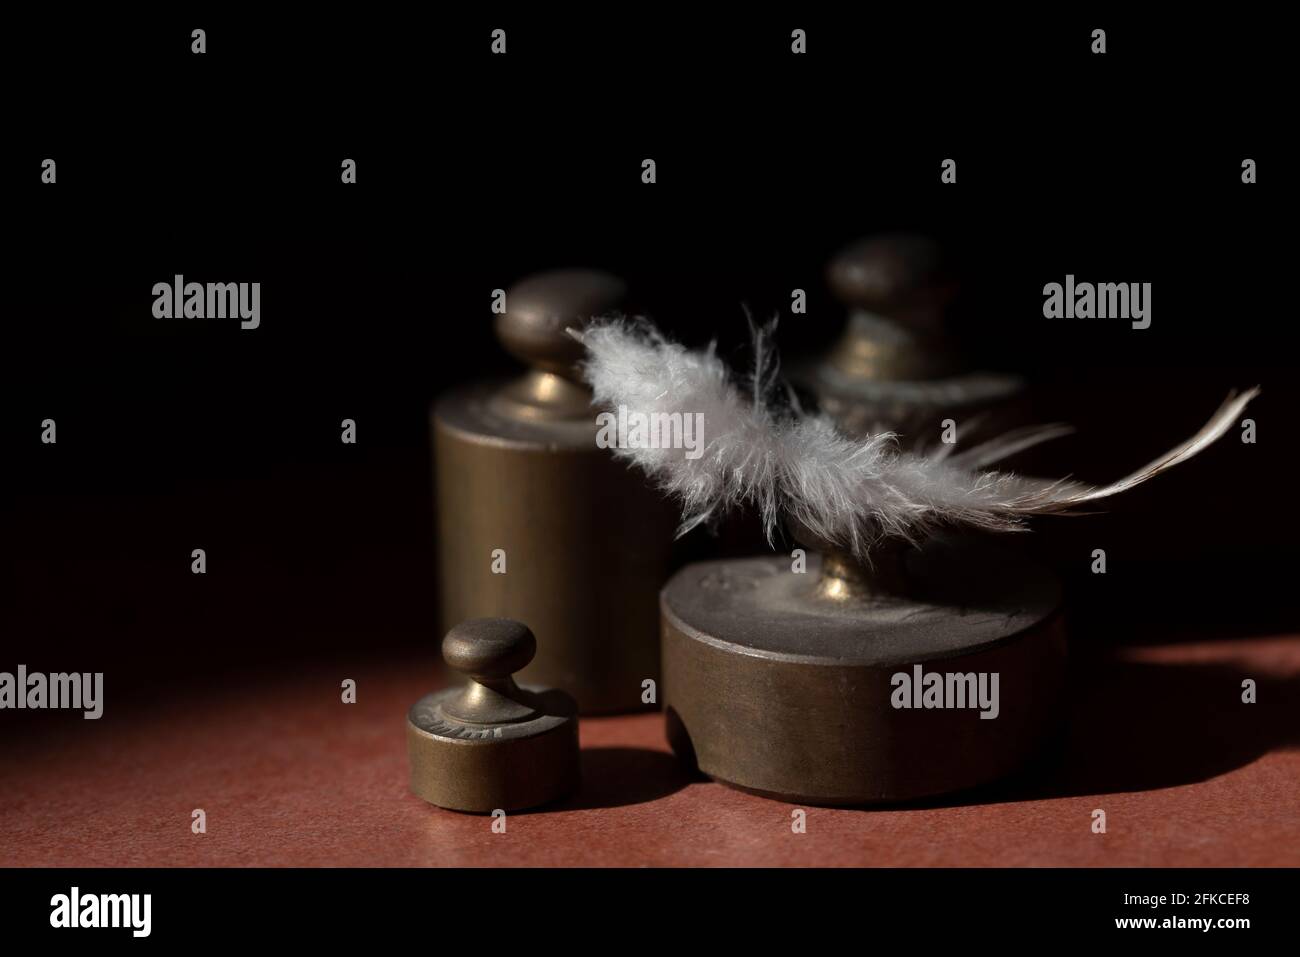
{"x": 792, "y": 466}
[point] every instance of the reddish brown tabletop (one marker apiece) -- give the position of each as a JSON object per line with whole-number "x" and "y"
{"x": 289, "y": 775}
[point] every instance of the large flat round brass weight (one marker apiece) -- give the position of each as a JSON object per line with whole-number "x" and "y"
{"x": 809, "y": 688}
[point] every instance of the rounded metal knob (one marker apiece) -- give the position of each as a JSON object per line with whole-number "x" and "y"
{"x": 540, "y": 307}
{"x": 888, "y": 274}
{"x": 489, "y": 648}
{"x": 897, "y": 287}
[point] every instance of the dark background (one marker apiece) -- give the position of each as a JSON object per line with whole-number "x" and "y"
{"x": 475, "y": 170}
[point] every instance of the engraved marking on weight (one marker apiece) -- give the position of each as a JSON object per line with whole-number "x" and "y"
{"x": 438, "y": 725}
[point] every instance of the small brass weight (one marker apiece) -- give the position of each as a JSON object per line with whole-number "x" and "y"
{"x": 536, "y": 522}
{"x": 844, "y": 684}
{"x": 492, "y": 744}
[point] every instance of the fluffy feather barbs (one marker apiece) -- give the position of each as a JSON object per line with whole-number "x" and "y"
{"x": 797, "y": 467}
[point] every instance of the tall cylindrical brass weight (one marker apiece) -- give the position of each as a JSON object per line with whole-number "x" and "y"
{"x": 536, "y": 522}
{"x": 895, "y": 367}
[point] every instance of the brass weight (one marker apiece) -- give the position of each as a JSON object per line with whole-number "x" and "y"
{"x": 536, "y": 522}
{"x": 492, "y": 744}
{"x": 787, "y": 683}
{"x": 894, "y": 367}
